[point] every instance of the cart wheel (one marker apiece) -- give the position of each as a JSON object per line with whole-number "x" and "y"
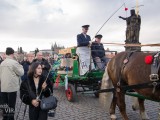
{"x": 71, "y": 93}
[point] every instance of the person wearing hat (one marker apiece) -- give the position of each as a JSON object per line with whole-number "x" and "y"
{"x": 83, "y": 50}
{"x": 10, "y": 73}
{"x": 83, "y": 39}
{"x": 98, "y": 53}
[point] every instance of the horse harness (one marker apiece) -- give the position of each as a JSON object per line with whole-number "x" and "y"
{"x": 154, "y": 77}
{"x": 125, "y": 61}
{"x": 155, "y": 67}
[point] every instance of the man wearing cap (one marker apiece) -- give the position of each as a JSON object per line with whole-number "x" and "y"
{"x": 83, "y": 39}
{"x": 83, "y": 50}
{"x": 10, "y": 73}
{"x": 98, "y": 52}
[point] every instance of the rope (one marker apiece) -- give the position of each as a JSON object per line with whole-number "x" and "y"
{"x": 129, "y": 87}
{"x": 109, "y": 18}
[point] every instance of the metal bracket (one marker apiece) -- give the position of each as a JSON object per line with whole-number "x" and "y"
{"x": 154, "y": 77}
{"x": 154, "y": 87}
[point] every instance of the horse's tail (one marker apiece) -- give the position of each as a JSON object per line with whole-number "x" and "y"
{"x": 105, "y": 98}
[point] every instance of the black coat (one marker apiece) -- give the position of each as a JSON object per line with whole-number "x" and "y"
{"x": 97, "y": 50}
{"x": 25, "y": 65}
{"x": 82, "y": 41}
{"x": 27, "y": 94}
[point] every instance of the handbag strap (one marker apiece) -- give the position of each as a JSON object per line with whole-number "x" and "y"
{"x": 43, "y": 82}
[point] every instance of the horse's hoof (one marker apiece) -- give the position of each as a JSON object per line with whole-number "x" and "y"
{"x": 113, "y": 117}
{"x": 144, "y": 116}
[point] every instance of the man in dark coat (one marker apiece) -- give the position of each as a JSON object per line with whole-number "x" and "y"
{"x": 83, "y": 51}
{"x": 26, "y": 65}
{"x": 83, "y": 39}
{"x": 98, "y": 52}
{"x": 45, "y": 65}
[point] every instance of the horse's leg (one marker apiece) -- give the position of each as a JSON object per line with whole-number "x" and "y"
{"x": 135, "y": 105}
{"x": 143, "y": 114}
{"x": 113, "y": 107}
{"x": 121, "y": 104}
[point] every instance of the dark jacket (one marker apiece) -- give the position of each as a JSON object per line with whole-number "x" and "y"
{"x": 97, "y": 50}
{"x": 82, "y": 41}
{"x": 46, "y": 66}
{"x": 25, "y": 65}
{"x": 27, "y": 94}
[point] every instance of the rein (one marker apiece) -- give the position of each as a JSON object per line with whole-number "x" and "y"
{"x": 130, "y": 87}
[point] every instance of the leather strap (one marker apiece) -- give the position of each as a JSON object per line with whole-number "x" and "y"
{"x": 155, "y": 67}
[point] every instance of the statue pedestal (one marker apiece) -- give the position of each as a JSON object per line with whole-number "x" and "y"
{"x": 133, "y": 48}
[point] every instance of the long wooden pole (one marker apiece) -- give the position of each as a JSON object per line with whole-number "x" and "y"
{"x": 137, "y": 8}
{"x": 132, "y": 44}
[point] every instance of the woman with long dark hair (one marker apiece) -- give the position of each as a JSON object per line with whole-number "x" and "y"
{"x": 30, "y": 90}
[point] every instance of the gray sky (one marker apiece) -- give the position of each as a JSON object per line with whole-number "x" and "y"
{"x": 39, "y": 23}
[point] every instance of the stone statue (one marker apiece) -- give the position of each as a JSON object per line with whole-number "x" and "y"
{"x": 133, "y": 27}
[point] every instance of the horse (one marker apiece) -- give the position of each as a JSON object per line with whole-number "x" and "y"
{"x": 134, "y": 71}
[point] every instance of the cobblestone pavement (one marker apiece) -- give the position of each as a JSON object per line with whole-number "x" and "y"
{"x": 88, "y": 107}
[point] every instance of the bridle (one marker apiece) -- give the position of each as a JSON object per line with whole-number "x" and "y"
{"x": 155, "y": 66}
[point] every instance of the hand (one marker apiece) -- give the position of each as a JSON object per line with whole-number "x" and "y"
{"x": 90, "y": 43}
{"x": 44, "y": 85}
{"x": 120, "y": 17}
{"x": 35, "y": 103}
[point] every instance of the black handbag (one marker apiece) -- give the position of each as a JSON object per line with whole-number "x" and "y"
{"x": 48, "y": 103}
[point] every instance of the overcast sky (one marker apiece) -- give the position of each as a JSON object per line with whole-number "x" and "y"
{"x": 39, "y": 23}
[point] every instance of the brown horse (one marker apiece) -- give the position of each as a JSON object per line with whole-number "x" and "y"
{"x": 136, "y": 71}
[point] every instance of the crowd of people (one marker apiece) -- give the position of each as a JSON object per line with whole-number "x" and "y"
{"x": 30, "y": 77}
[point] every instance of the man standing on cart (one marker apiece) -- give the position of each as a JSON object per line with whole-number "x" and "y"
{"x": 83, "y": 51}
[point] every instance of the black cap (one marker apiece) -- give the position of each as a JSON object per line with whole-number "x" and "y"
{"x": 9, "y": 51}
{"x": 85, "y": 26}
{"x": 98, "y": 36}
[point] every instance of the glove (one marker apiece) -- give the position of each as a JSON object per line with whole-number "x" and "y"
{"x": 119, "y": 16}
